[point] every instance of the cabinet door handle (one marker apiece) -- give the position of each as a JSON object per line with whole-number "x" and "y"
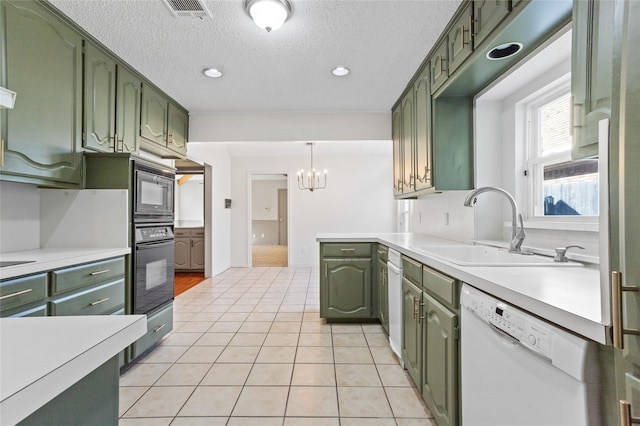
{"x": 1, "y": 152}
{"x": 326, "y": 270}
{"x": 97, "y": 302}
{"x": 616, "y": 310}
{"x": 463, "y": 43}
{"x": 158, "y": 328}
{"x": 472, "y": 32}
{"x": 415, "y": 308}
{"x": 17, "y": 293}
{"x": 104, "y": 271}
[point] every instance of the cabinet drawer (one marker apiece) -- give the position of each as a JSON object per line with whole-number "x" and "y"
{"x": 20, "y": 291}
{"x": 383, "y": 253}
{"x": 412, "y": 270}
{"x": 100, "y": 300}
{"x": 84, "y": 275}
{"x": 182, "y": 232}
{"x": 197, "y": 232}
{"x": 158, "y": 326}
{"x": 37, "y": 311}
{"x": 440, "y": 285}
{"x": 346, "y": 250}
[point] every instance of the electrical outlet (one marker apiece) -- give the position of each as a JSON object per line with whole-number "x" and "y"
{"x": 446, "y": 219}
{"x": 304, "y": 250}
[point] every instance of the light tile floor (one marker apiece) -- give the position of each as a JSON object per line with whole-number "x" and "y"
{"x": 249, "y": 348}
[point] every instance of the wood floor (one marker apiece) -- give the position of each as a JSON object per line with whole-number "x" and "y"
{"x": 269, "y": 255}
{"x": 185, "y": 280}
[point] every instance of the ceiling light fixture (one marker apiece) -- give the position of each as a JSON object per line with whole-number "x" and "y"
{"x": 340, "y": 71}
{"x": 212, "y": 72}
{"x": 268, "y": 14}
{"x": 313, "y": 178}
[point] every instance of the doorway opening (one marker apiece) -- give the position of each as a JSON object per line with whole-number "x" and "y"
{"x": 269, "y": 220}
{"x": 189, "y": 226}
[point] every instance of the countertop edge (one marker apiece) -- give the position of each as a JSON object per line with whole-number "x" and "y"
{"x": 596, "y": 331}
{"x": 27, "y": 400}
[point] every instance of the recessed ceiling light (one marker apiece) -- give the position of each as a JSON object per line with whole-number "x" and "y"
{"x": 340, "y": 71}
{"x": 212, "y": 72}
{"x": 504, "y": 51}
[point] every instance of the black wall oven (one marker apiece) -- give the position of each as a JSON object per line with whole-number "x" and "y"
{"x": 153, "y": 193}
{"x": 153, "y": 257}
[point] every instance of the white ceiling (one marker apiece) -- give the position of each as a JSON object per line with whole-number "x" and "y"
{"x": 382, "y": 41}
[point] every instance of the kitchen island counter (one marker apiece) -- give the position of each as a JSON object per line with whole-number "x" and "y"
{"x": 43, "y": 358}
{"x": 567, "y": 296}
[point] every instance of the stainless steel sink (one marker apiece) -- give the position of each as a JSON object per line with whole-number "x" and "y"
{"x": 489, "y": 256}
{"x": 4, "y": 263}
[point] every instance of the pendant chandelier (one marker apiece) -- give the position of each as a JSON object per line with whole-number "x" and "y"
{"x": 312, "y": 180}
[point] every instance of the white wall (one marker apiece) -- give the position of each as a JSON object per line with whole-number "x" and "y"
{"x": 443, "y": 215}
{"x": 19, "y": 217}
{"x": 217, "y": 156}
{"x": 358, "y": 198}
{"x": 190, "y": 199}
{"x": 264, "y": 202}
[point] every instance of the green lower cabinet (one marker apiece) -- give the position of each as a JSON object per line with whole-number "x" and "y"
{"x": 383, "y": 294}
{"x": 440, "y": 361}
{"x": 345, "y": 288}
{"x": 159, "y": 324}
{"x": 412, "y": 331}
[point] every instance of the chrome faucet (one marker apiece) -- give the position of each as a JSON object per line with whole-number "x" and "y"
{"x": 517, "y": 233}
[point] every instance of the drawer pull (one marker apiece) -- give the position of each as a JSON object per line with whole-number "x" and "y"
{"x": 158, "y": 328}
{"x": 351, "y": 249}
{"x": 104, "y": 271}
{"x": 97, "y": 302}
{"x": 17, "y": 293}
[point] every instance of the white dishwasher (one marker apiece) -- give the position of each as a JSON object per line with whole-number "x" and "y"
{"x": 394, "y": 285}
{"x": 518, "y": 370}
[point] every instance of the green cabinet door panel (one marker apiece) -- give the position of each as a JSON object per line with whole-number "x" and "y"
{"x": 412, "y": 331}
{"x": 423, "y": 144}
{"x": 626, "y": 203}
{"x": 44, "y": 66}
{"x": 453, "y": 143}
{"x": 408, "y": 167}
{"x": 99, "y": 99}
{"x": 439, "y": 65}
{"x": 459, "y": 39}
{"x": 440, "y": 361}
{"x": 153, "y": 119}
{"x": 591, "y": 72}
{"x": 129, "y": 88}
{"x": 21, "y": 291}
{"x": 396, "y": 131}
{"x": 487, "y": 15}
{"x": 383, "y": 294}
{"x": 178, "y": 130}
{"x": 347, "y": 292}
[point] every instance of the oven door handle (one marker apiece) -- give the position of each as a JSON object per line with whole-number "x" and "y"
{"x": 142, "y": 246}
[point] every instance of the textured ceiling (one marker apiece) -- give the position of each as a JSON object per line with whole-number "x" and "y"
{"x": 382, "y": 42}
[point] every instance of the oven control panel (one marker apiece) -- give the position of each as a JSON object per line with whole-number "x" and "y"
{"x": 154, "y": 233}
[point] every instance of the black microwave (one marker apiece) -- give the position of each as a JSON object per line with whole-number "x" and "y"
{"x": 153, "y": 193}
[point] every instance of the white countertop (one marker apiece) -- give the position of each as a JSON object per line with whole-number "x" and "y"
{"x": 188, "y": 224}
{"x": 54, "y": 258}
{"x": 42, "y": 357}
{"x": 566, "y": 296}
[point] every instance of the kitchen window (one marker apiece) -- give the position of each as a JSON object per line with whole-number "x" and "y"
{"x": 559, "y": 189}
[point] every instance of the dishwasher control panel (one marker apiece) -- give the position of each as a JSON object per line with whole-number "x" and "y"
{"x": 528, "y": 331}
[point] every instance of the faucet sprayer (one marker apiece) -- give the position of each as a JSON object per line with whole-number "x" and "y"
{"x": 517, "y": 233}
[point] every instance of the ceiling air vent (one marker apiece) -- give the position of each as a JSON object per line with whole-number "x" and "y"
{"x": 188, "y": 8}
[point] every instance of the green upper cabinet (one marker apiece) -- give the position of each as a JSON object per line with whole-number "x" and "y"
{"x": 423, "y": 144}
{"x": 178, "y": 129}
{"x": 154, "y": 116}
{"x": 439, "y": 65}
{"x": 487, "y": 15}
{"x": 591, "y": 72}
{"x": 396, "y": 130}
{"x": 99, "y": 99}
{"x": 163, "y": 125}
{"x": 44, "y": 66}
{"x": 460, "y": 39}
{"x": 408, "y": 177}
{"x": 129, "y": 88}
{"x": 440, "y": 361}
